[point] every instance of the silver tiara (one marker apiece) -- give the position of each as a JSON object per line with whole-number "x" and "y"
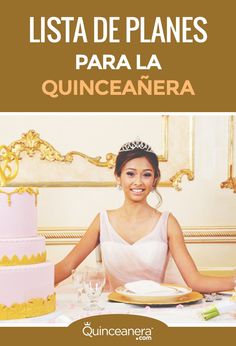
{"x": 137, "y": 144}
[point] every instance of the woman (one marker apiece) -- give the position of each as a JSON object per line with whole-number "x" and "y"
{"x": 137, "y": 239}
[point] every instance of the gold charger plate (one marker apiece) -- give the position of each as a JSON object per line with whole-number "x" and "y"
{"x": 188, "y": 298}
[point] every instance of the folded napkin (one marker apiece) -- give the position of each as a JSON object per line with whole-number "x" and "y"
{"x": 146, "y": 287}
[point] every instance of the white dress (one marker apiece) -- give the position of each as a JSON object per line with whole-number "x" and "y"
{"x": 145, "y": 259}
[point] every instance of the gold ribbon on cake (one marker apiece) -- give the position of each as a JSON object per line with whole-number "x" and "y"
{"x": 9, "y": 165}
{"x": 25, "y": 260}
{"x": 33, "y": 307}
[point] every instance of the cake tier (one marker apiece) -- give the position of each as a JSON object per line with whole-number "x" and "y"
{"x": 18, "y": 212}
{"x": 20, "y": 251}
{"x": 20, "y": 284}
{"x": 32, "y": 308}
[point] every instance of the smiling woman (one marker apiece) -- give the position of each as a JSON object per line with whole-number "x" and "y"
{"x": 137, "y": 239}
{"x": 135, "y": 172}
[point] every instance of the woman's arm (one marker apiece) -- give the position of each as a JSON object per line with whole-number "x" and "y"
{"x": 86, "y": 245}
{"x": 188, "y": 268}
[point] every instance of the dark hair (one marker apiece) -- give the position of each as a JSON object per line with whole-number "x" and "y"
{"x": 125, "y": 156}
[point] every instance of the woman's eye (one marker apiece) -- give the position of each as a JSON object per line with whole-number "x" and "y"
{"x": 147, "y": 175}
{"x": 131, "y": 174}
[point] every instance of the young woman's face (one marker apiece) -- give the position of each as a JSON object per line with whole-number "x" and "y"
{"x": 137, "y": 179}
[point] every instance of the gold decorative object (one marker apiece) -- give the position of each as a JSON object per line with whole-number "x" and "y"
{"x": 21, "y": 190}
{"x": 230, "y": 183}
{"x": 177, "y": 178}
{"x": 15, "y": 260}
{"x": 165, "y": 139}
{"x": 7, "y": 172}
{"x": 31, "y": 143}
{"x": 188, "y": 298}
{"x": 32, "y": 308}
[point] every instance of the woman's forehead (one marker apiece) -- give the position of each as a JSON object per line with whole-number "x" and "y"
{"x": 138, "y": 163}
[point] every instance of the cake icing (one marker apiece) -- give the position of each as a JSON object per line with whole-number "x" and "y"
{"x": 18, "y": 212}
{"x": 22, "y": 250}
{"x": 22, "y": 283}
{"x": 27, "y": 279}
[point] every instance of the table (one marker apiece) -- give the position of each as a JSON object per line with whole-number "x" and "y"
{"x": 68, "y": 311}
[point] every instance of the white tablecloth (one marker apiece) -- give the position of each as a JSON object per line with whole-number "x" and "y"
{"x": 68, "y": 311}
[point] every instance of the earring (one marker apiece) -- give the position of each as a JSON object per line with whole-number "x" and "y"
{"x": 119, "y": 187}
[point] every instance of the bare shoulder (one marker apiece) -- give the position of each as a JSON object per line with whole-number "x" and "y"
{"x": 173, "y": 225}
{"x": 95, "y": 225}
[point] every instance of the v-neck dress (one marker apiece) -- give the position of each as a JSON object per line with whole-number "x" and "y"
{"x": 146, "y": 259}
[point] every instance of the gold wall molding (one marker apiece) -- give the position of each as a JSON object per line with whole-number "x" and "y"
{"x": 192, "y": 234}
{"x": 165, "y": 139}
{"x": 177, "y": 178}
{"x": 230, "y": 183}
{"x": 32, "y": 144}
{"x": 9, "y": 165}
{"x": 218, "y": 271}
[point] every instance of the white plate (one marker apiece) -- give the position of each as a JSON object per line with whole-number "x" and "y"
{"x": 177, "y": 291}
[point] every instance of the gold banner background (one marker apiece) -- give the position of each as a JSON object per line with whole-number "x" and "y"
{"x": 209, "y": 66}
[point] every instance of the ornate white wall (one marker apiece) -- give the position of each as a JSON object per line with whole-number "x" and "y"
{"x": 206, "y": 212}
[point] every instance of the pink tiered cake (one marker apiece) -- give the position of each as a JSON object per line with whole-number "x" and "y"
{"x": 26, "y": 279}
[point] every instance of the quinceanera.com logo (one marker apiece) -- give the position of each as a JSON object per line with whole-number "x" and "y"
{"x": 142, "y": 334}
